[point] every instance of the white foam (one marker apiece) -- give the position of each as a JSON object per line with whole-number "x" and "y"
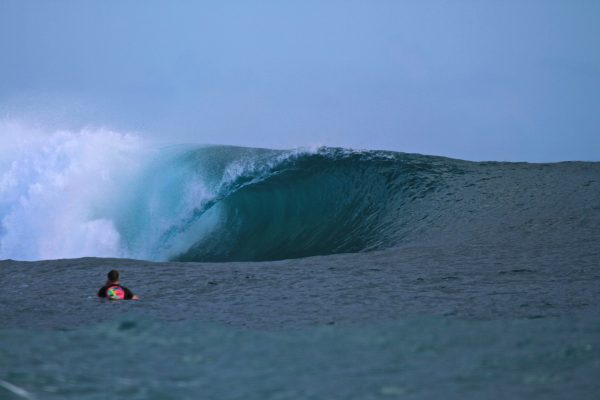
{"x": 20, "y": 392}
{"x": 98, "y": 192}
{"x": 56, "y": 189}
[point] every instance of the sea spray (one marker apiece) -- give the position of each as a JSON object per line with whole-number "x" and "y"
{"x": 104, "y": 193}
{"x": 57, "y": 191}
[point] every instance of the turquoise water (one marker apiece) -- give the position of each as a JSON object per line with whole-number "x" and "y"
{"x": 223, "y": 203}
{"x": 313, "y": 274}
{"x": 411, "y": 358}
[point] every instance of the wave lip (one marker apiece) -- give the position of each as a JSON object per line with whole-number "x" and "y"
{"x": 101, "y": 193}
{"x": 316, "y": 203}
{"x": 269, "y": 205}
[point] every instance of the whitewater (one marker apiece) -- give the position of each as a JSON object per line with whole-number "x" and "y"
{"x": 293, "y": 274}
{"x": 104, "y": 194}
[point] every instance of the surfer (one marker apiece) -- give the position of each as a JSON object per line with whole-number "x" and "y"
{"x": 113, "y": 290}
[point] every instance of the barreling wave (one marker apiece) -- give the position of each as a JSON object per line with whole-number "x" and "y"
{"x": 297, "y": 204}
{"x": 218, "y": 203}
{"x": 105, "y": 194}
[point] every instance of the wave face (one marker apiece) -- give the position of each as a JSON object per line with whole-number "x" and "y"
{"x": 100, "y": 193}
{"x": 297, "y": 204}
{"x": 222, "y": 203}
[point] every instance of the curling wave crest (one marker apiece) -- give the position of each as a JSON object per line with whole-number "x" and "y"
{"x": 106, "y": 194}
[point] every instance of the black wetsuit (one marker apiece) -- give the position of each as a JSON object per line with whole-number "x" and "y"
{"x": 103, "y": 289}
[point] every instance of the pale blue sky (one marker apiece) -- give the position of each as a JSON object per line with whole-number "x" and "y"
{"x": 501, "y": 80}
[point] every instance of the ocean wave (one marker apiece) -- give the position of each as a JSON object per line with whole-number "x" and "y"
{"x": 103, "y": 193}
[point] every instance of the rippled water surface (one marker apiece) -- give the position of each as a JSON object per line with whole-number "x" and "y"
{"x": 426, "y": 278}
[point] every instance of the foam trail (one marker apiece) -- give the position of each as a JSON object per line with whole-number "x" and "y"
{"x": 17, "y": 390}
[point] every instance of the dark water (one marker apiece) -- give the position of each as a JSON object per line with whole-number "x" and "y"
{"x": 426, "y": 278}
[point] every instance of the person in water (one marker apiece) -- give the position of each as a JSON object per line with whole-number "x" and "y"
{"x": 113, "y": 290}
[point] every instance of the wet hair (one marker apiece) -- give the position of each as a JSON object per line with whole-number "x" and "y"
{"x": 113, "y": 275}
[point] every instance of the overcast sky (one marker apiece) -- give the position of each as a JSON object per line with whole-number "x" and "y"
{"x": 479, "y": 80}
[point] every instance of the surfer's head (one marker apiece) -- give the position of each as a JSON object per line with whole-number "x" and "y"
{"x": 113, "y": 276}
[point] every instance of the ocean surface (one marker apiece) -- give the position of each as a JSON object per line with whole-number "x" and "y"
{"x": 321, "y": 273}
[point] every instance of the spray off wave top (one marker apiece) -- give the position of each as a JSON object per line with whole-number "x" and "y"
{"x": 102, "y": 193}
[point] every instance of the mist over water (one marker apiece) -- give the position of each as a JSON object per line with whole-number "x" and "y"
{"x": 58, "y": 190}
{"x": 107, "y": 194}
{"x": 98, "y": 192}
